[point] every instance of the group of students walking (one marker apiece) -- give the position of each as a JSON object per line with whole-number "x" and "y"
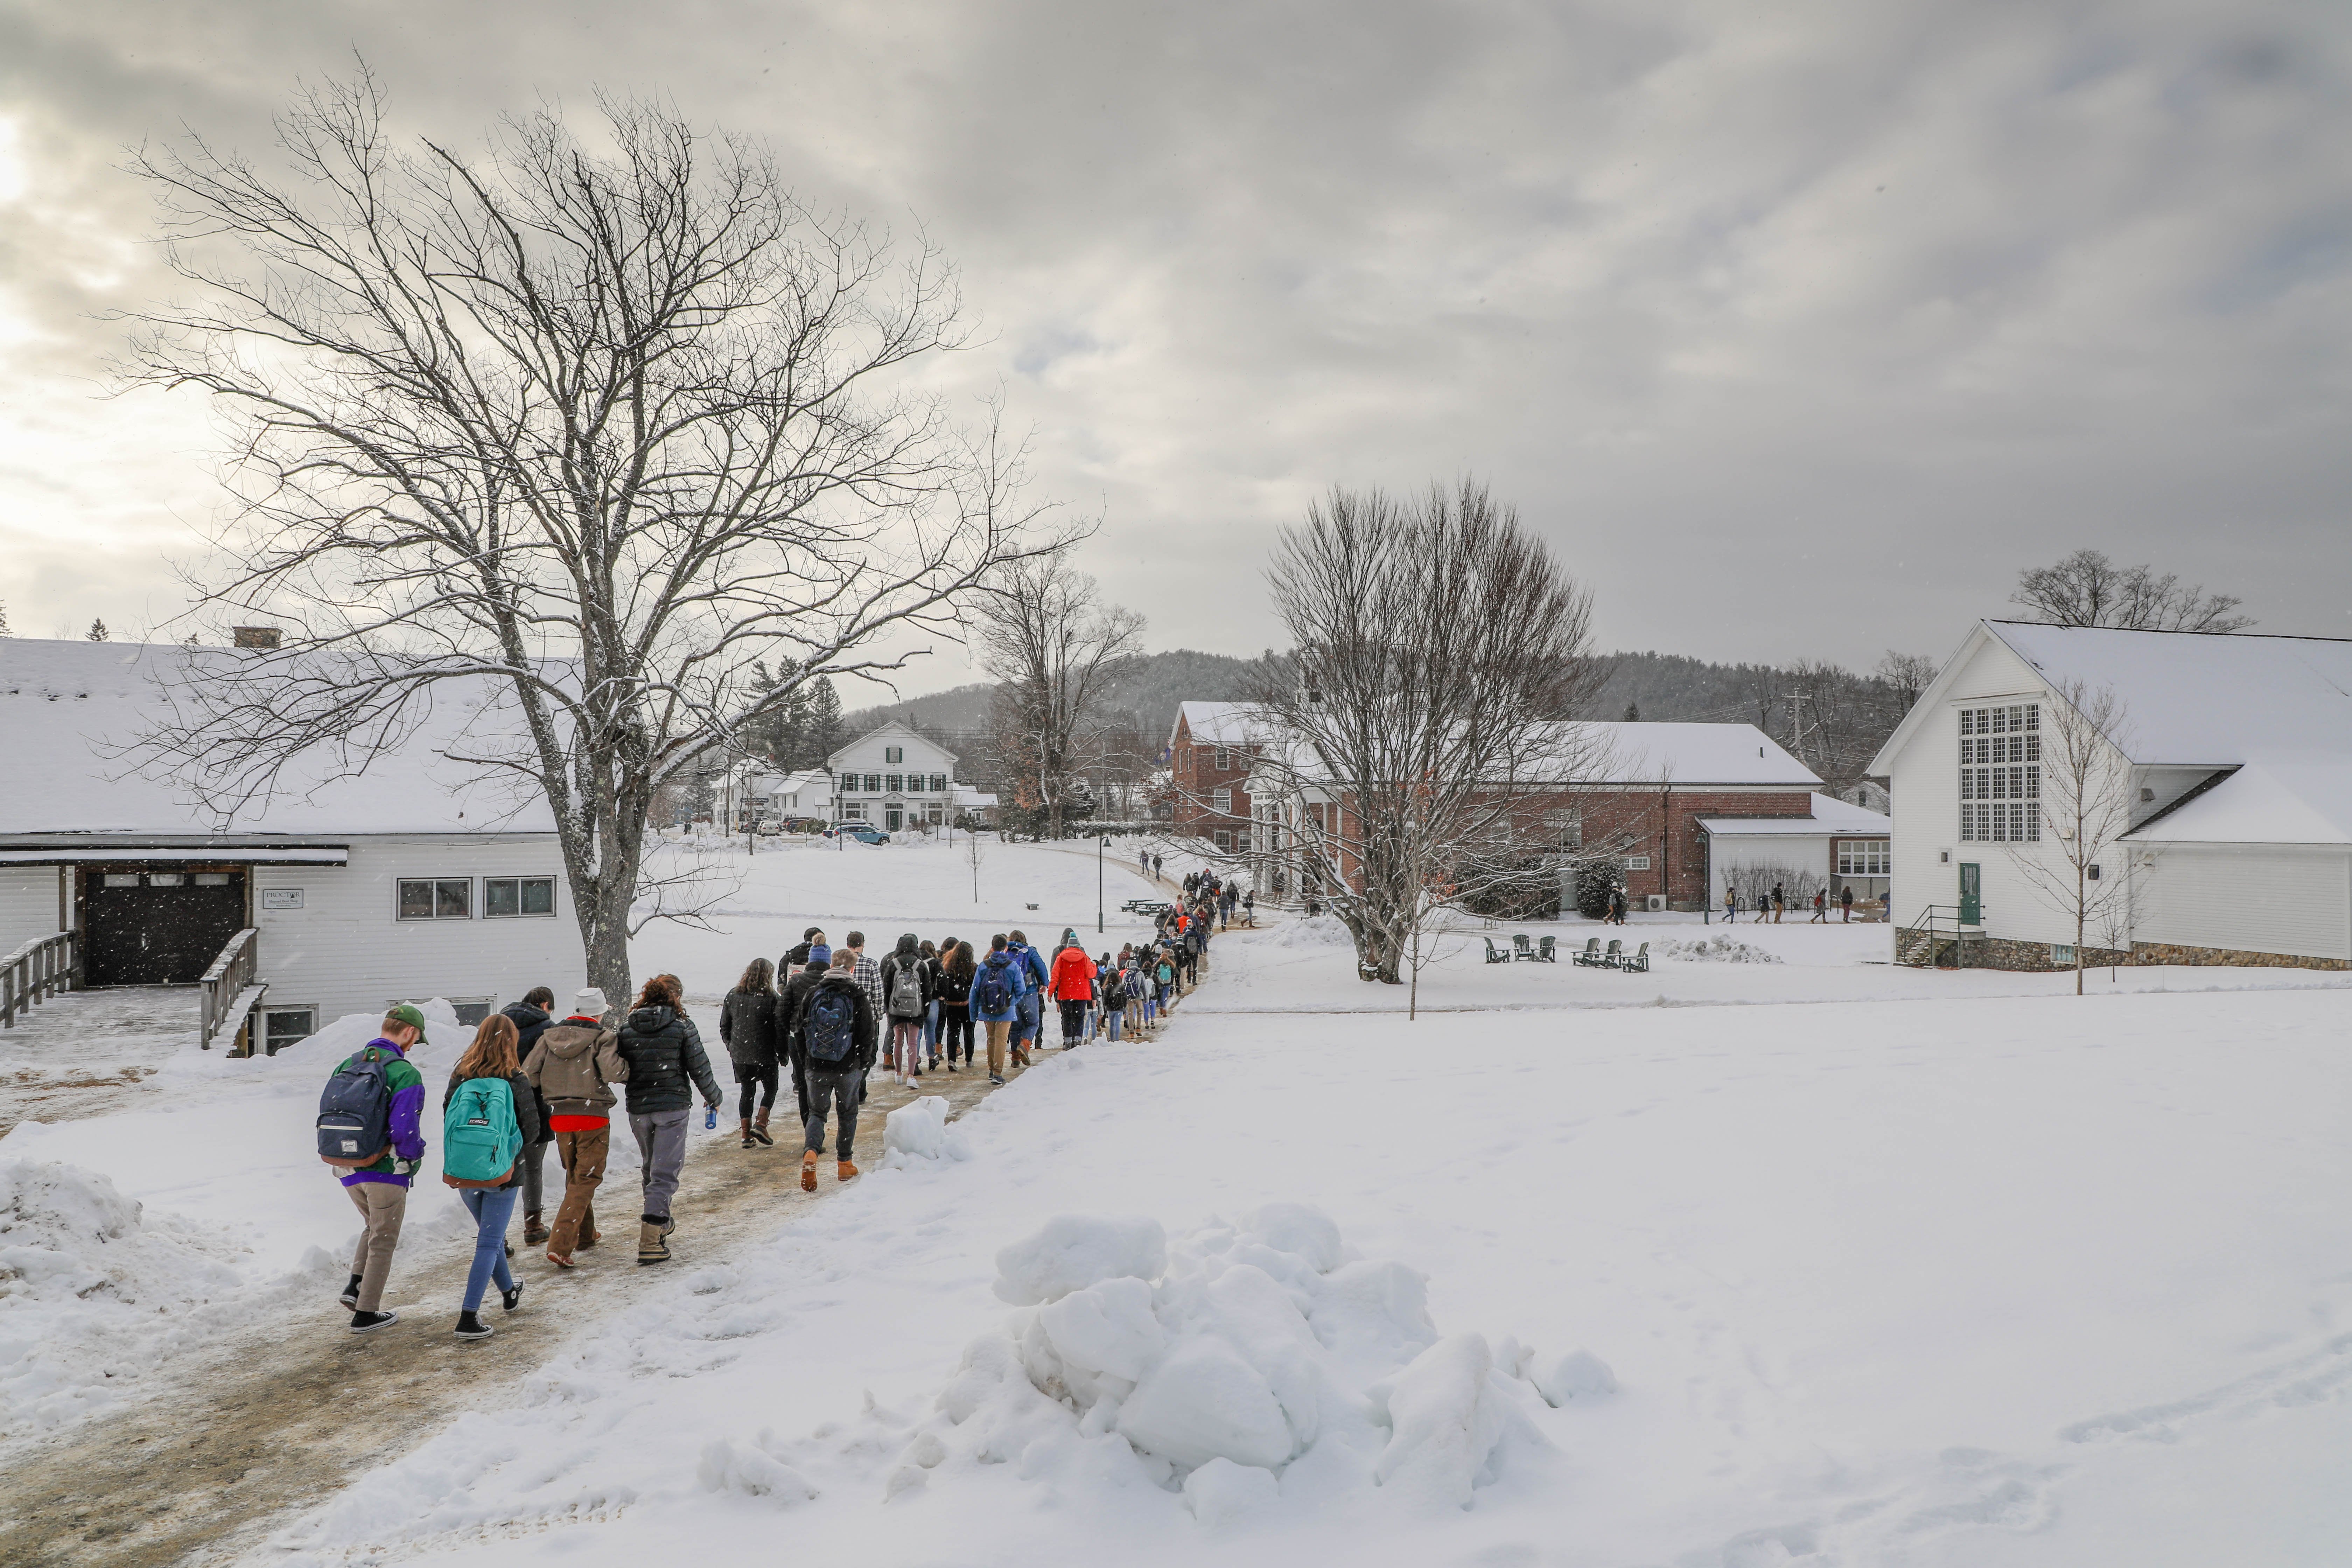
{"x": 1772, "y": 905}
{"x": 530, "y": 1081}
{"x": 527, "y": 1082}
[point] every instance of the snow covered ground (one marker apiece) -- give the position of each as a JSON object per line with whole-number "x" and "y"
{"x": 1900, "y": 1269}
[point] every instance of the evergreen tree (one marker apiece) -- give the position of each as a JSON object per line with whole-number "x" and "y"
{"x": 824, "y": 732}
{"x": 97, "y": 631}
{"x": 1632, "y": 713}
{"x": 5, "y": 631}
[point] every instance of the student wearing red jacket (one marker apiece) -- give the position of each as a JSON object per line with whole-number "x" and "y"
{"x": 1073, "y": 986}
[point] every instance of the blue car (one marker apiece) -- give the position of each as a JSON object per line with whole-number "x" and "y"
{"x": 864, "y": 832}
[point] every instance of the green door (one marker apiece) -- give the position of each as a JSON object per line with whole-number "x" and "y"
{"x": 1971, "y": 893}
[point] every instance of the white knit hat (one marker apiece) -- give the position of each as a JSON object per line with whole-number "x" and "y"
{"x": 590, "y": 1003}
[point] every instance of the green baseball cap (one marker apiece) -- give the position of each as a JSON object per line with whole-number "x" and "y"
{"x": 407, "y": 1013}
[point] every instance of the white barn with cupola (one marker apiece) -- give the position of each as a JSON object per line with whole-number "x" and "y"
{"x": 894, "y": 778}
{"x": 415, "y": 877}
{"x": 2233, "y": 757}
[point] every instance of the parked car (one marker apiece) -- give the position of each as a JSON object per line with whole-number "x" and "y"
{"x": 864, "y": 832}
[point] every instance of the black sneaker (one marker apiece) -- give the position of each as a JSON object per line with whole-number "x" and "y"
{"x": 994, "y": 1077}
{"x": 367, "y": 1322}
{"x": 351, "y": 1296}
{"x": 471, "y": 1327}
{"x": 510, "y": 1300}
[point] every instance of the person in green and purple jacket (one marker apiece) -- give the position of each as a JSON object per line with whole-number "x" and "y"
{"x": 380, "y": 1191}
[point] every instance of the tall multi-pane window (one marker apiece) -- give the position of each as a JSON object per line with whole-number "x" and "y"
{"x": 1222, "y": 800}
{"x": 2001, "y": 775}
{"x": 1863, "y": 858}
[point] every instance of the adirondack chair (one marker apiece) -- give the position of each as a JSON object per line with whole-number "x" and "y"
{"x": 1523, "y": 948}
{"x": 1495, "y": 954}
{"x": 1588, "y": 955}
{"x": 1614, "y": 956}
{"x": 1639, "y": 963}
{"x": 1547, "y": 950}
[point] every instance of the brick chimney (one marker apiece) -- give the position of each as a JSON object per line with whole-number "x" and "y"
{"x": 255, "y": 636}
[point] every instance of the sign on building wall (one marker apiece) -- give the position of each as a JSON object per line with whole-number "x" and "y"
{"x": 281, "y": 897}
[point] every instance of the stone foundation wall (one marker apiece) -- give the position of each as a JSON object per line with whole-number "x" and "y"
{"x": 2172, "y": 953}
{"x": 2001, "y": 952}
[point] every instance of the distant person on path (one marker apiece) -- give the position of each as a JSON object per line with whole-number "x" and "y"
{"x": 1845, "y": 904}
{"x": 531, "y": 1016}
{"x": 906, "y": 996}
{"x": 1780, "y": 903}
{"x": 376, "y": 1094}
{"x": 957, "y": 967}
{"x": 574, "y": 1066}
{"x": 747, "y": 1028}
{"x": 1030, "y": 1015}
{"x": 489, "y": 1107}
{"x": 1072, "y": 986}
{"x": 838, "y": 1045}
{"x": 1155, "y": 865}
{"x": 1249, "y": 908}
{"x": 667, "y": 1065}
{"x": 1821, "y": 906}
{"x": 996, "y": 992}
{"x": 1142, "y": 861}
{"x": 1617, "y": 906}
{"x": 1730, "y": 905}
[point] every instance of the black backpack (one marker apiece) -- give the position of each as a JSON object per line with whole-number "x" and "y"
{"x": 831, "y": 1031}
{"x": 356, "y": 1112}
{"x": 994, "y": 992}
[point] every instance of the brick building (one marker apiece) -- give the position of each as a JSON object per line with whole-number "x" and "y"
{"x": 1650, "y": 791}
{"x": 1210, "y": 752}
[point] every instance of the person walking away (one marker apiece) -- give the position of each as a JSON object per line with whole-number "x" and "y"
{"x": 996, "y": 1001}
{"x": 667, "y": 1065}
{"x": 1110, "y": 1001}
{"x": 532, "y": 1015}
{"x": 574, "y": 1066}
{"x": 789, "y": 1008}
{"x": 1155, "y": 866}
{"x": 793, "y": 961}
{"x": 1030, "y": 1013}
{"x": 490, "y": 1115}
{"x": 1779, "y": 901}
{"x": 906, "y": 993}
{"x": 747, "y": 1028}
{"x": 1845, "y": 904}
{"x": 1130, "y": 982}
{"x": 1821, "y": 906}
{"x": 368, "y": 1130}
{"x": 869, "y": 980}
{"x": 1072, "y": 986}
{"x": 956, "y": 972}
{"x": 837, "y": 1041}
{"x": 1163, "y": 977}
{"x": 931, "y": 975}
{"x": 1730, "y": 905}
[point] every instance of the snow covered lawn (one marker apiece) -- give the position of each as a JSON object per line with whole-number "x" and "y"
{"x": 1994, "y": 1280}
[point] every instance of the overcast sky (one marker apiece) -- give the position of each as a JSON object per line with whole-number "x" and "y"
{"x": 1798, "y": 328}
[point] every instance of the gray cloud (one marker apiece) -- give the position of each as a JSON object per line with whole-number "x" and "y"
{"x": 1798, "y": 328}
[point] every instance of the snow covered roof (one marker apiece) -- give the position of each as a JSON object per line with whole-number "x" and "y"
{"x": 1831, "y": 817}
{"x": 2289, "y": 801}
{"x": 1220, "y": 723}
{"x": 69, "y": 708}
{"x": 1691, "y": 755}
{"x": 887, "y": 726}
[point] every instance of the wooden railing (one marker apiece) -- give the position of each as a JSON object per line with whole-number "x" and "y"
{"x": 226, "y": 980}
{"x": 38, "y": 971}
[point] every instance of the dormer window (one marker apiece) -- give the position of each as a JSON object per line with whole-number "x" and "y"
{"x": 894, "y": 753}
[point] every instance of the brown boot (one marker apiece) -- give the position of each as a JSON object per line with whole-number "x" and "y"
{"x": 653, "y": 1242}
{"x": 760, "y": 1129}
{"x": 747, "y": 1141}
{"x": 534, "y": 1229}
{"x": 844, "y": 1172}
{"x": 808, "y": 1172}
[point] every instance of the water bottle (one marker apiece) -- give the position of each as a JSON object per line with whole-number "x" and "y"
{"x": 709, "y": 1117}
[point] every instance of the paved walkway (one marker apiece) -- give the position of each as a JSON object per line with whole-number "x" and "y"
{"x": 85, "y": 1053}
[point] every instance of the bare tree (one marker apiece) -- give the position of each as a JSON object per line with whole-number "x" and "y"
{"x": 600, "y": 422}
{"x": 2087, "y": 589}
{"x": 1440, "y": 649}
{"x": 1906, "y": 677}
{"x": 972, "y": 852}
{"x": 2085, "y": 807}
{"x": 1053, "y": 646}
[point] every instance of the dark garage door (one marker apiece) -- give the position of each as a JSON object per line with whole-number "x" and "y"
{"x": 158, "y": 928}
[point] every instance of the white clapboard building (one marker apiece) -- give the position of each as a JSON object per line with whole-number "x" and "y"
{"x": 2233, "y": 757}
{"x": 893, "y": 778}
{"x": 415, "y": 879}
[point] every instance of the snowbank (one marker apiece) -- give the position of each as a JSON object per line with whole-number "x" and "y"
{"x": 1719, "y": 950}
{"x": 1312, "y": 931}
{"x": 1241, "y": 1364}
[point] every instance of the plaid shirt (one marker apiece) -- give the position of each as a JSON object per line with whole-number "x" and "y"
{"x": 869, "y": 975}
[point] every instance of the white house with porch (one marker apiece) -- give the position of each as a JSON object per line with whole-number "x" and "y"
{"x": 416, "y": 878}
{"x": 893, "y": 778}
{"x": 2233, "y": 757}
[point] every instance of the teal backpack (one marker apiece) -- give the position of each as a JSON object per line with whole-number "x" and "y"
{"x": 480, "y": 1139}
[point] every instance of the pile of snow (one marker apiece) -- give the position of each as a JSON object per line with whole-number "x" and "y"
{"x": 918, "y": 1130}
{"x": 1239, "y": 1365}
{"x": 1314, "y": 930}
{"x": 1721, "y": 950}
{"x": 85, "y": 1286}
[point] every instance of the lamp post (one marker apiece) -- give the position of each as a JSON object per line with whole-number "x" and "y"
{"x": 1104, "y": 845}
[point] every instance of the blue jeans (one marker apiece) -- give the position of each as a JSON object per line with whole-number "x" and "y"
{"x": 491, "y": 1208}
{"x": 1024, "y": 1016}
{"x": 1111, "y": 1017}
{"x": 931, "y": 1030}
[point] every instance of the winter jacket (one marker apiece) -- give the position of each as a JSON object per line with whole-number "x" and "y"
{"x": 1032, "y": 968}
{"x": 663, "y": 1050}
{"x": 955, "y": 990}
{"x": 747, "y": 1028}
{"x": 1015, "y": 979}
{"x": 860, "y": 1057}
{"x": 906, "y": 959}
{"x": 527, "y": 1117}
{"x": 1074, "y": 975}
{"x": 789, "y": 1008}
{"x": 869, "y": 980}
{"x": 407, "y": 1151}
{"x": 574, "y": 1066}
{"x": 530, "y": 1023}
